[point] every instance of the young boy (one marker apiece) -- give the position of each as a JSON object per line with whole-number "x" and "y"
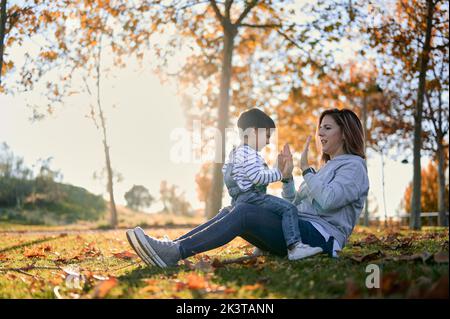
{"x": 246, "y": 177}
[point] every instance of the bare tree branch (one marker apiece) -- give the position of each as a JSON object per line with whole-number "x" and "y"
{"x": 228, "y": 4}
{"x": 217, "y": 11}
{"x": 262, "y": 26}
{"x": 247, "y": 9}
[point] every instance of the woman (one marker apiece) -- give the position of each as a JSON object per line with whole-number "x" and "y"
{"x": 329, "y": 202}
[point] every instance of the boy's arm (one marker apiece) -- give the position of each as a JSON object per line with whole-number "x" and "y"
{"x": 256, "y": 172}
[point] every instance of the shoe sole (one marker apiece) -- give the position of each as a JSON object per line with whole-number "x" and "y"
{"x": 131, "y": 237}
{"x": 309, "y": 255}
{"x": 140, "y": 236}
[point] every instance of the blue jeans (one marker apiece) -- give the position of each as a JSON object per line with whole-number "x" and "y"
{"x": 260, "y": 227}
{"x": 279, "y": 206}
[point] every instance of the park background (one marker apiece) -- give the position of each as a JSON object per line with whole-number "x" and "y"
{"x": 84, "y": 83}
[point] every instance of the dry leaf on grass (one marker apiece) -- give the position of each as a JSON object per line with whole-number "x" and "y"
{"x": 33, "y": 253}
{"x": 104, "y": 287}
{"x": 126, "y": 255}
{"x": 368, "y": 257}
{"x": 195, "y": 281}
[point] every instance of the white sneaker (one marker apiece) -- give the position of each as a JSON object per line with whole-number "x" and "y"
{"x": 301, "y": 251}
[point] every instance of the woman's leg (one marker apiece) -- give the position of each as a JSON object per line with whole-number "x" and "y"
{"x": 258, "y": 226}
{"x": 221, "y": 214}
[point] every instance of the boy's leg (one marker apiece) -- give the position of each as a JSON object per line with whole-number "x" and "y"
{"x": 288, "y": 213}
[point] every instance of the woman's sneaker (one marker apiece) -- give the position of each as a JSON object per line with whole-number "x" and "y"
{"x": 300, "y": 251}
{"x": 162, "y": 252}
{"x": 132, "y": 240}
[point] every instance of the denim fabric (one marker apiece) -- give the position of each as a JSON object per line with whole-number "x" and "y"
{"x": 277, "y": 205}
{"x": 260, "y": 227}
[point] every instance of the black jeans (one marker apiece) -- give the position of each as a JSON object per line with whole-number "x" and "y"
{"x": 258, "y": 226}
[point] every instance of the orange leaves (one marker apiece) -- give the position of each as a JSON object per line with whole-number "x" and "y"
{"x": 104, "y": 287}
{"x": 37, "y": 252}
{"x": 195, "y": 281}
{"x": 152, "y": 286}
{"x": 90, "y": 250}
{"x": 7, "y": 66}
{"x": 49, "y": 55}
{"x": 126, "y": 255}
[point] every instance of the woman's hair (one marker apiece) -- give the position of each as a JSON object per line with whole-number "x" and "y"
{"x": 352, "y": 131}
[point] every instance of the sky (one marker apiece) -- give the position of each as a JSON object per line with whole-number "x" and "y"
{"x": 142, "y": 130}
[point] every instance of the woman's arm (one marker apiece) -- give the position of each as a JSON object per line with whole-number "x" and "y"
{"x": 343, "y": 190}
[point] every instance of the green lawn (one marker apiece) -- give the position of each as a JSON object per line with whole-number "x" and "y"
{"x": 100, "y": 264}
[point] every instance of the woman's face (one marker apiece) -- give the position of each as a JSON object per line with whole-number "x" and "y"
{"x": 331, "y": 137}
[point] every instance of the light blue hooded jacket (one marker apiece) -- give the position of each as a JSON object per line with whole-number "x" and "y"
{"x": 333, "y": 197}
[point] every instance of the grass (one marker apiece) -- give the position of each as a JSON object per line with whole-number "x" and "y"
{"x": 100, "y": 264}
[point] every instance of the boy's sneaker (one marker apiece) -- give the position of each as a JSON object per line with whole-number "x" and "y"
{"x": 163, "y": 253}
{"x": 132, "y": 240}
{"x": 300, "y": 251}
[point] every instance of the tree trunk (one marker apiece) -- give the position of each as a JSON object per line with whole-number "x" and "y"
{"x": 2, "y": 34}
{"x": 215, "y": 194}
{"x": 364, "y": 116}
{"x": 112, "y": 208}
{"x": 443, "y": 210}
{"x": 417, "y": 180}
{"x": 384, "y": 189}
{"x": 110, "y": 188}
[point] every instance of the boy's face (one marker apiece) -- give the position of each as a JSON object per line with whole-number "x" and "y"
{"x": 262, "y": 137}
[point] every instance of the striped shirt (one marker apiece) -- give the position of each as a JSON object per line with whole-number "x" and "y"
{"x": 249, "y": 168}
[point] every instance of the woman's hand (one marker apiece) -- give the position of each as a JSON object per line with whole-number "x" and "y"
{"x": 304, "y": 157}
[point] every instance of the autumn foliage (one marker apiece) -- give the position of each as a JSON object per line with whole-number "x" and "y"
{"x": 429, "y": 202}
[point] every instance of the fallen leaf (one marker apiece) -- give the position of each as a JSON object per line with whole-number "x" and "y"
{"x": 424, "y": 257}
{"x": 104, "y": 287}
{"x": 195, "y": 281}
{"x": 152, "y": 286}
{"x": 441, "y": 257}
{"x": 3, "y": 257}
{"x": 33, "y": 253}
{"x": 371, "y": 239}
{"x": 126, "y": 255}
{"x": 368, "y": 257}
{"x": 252, "y": 287}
